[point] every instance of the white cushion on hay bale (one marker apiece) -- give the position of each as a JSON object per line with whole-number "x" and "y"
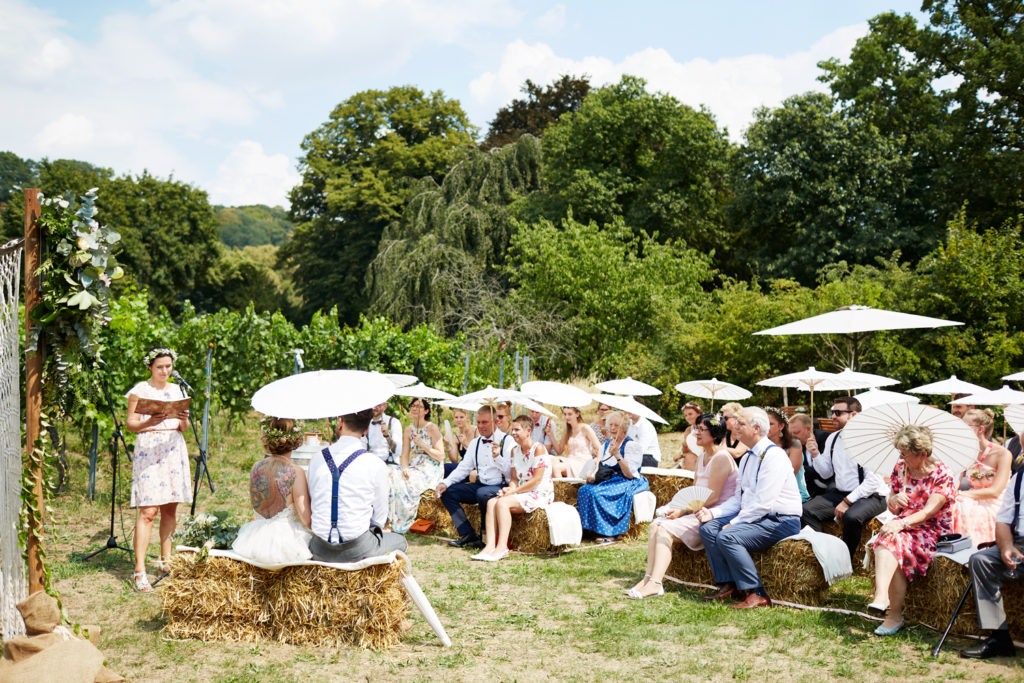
{"x": 644, "y": 504}
{"x": 409, "y": 582}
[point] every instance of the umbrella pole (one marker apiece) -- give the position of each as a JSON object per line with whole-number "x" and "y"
{"x": 812, "y": 407}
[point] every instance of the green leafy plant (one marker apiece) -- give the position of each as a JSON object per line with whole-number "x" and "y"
{"x": 217, "y": 527}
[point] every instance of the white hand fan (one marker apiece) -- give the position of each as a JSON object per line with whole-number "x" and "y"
{"x": 448, "y": 432}
{"x": 587, "y": 468}
{"x": 690, "y": 498}
{"x": 691, "y": 442}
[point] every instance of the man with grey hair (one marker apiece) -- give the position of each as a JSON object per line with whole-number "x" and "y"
{"x": 763, "y": 510}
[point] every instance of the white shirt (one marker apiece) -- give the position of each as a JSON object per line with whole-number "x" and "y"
{"x": 634, "y": 456}
{"x": 375, "y": 442}
{"x": 490, "y": 471}
{"x": 1005, "y": 514}
{"x": 766, "y": 485}
{"x": 362, "y": 491}
{"x": 538, "y": 435}
{"x": 834, "y": 459}
{"x": 646, "y": 435}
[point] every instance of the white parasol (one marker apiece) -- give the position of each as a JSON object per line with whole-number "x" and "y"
{"x": 848, "y": 375}
{"x": 421, "y": 390}
{"x": 556, "y": 394}
{"x": 1014, "y": 415}
{"x": 474, "y": 400}
{"x": 401, "y": 380}
{"x": 714, "y": 389}
{"x": 1003, "y": 396}
{"x": 878, "y": 397}
{"x": 950, "y": 386}
{"x": 323, "y": 393}
{"x": 1015, "y": 377}
{"x": 629, "y": 405}
{"x": 868, "y": 436}
{"x": 627, "y": 387}
{"x": 855, "y": 322}
{"x": 814, "y": 380}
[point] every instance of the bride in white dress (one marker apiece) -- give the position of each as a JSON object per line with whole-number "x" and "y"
{"x": 279, "y": 534}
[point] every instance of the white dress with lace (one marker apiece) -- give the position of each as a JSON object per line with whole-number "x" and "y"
{"x": 275, "y": 540}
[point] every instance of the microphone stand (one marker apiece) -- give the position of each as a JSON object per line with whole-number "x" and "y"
{"x": 118, "y": 437}
{"x": 201, "y": 464}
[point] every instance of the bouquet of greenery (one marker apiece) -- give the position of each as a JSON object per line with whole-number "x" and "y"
{"x": 204, "y": 527}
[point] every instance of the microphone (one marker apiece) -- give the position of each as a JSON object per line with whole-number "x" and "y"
{"x": 181, "y": 381}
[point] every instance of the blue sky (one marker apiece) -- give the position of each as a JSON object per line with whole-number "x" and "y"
{"x": 219, "y": 93}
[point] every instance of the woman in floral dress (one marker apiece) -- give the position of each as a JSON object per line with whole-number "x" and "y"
{"x": 160, "y": 472}
{"x": 579, "y": 445}
{"x": 531, "y": 489}
{"x": 975, "y": 513}
{"x": 422, "y": 467}
{"x": 923, "y": 495}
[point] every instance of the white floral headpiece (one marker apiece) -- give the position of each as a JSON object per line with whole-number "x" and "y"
{"x": 157, "y": 352}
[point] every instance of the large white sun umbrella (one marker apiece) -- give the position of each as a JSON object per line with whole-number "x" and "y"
{"x": 1003, "y": 396}
{"x": 950, "y": 386}
{"x": 855, "y": 322}
{"x": 629, "y": 405}
{"x": 474, "y": 400}
{"x": 627, "y": 387}
{"x": 1014, "y": 415}
{"x": 872, "y": 380}
{"x": 1015, "y": 377}
{"x": 868, "y": 436}
{"x": 556, "y": 394}
{"x": 421, "y": 390}
{"x": 878, "y": 397}
{"x": 814, "y": 380}
{"x": 400, "y": 380}
{"x": 323, "y": 393}
{"x": 714, "y": 389}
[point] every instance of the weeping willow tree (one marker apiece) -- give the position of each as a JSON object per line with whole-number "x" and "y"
{"x": 440, "y": 263}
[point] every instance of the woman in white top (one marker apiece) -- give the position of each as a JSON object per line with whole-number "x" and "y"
{"x": 160, "y": 472}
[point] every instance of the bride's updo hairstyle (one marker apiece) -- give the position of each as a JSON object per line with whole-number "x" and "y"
{"x": 280, "y": 435}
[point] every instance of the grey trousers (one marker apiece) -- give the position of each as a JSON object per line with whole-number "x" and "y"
{"x": 370, "y": 543}
{"x": 986, "y": 569}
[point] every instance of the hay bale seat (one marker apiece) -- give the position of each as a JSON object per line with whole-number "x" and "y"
{"x": 789, "y": 570}
{"x": 932, "y": 598}
{"x": 666, "y": 483}
{"x": 870, "y": 529}
{"x": 220, "y": 598}
{"x": 566, "y": 490}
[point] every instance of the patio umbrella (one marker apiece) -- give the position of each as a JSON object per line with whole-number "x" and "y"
{"x": 868, "y": 436}
{"x": 401, "y": 380}
{"x": 878, "y": 397}
{"x": 628, "y": 387}
{"x": 323, "y": 393}
{"x": 556, "y": 394}
{"x": 852, "y": 376}
{"x": 947, "y": 386}
{"x": 713, "y": 389}
{"x": 421, "y": 390}
{"x": 474, "y": 400}
{"x": 814, "y": 380}
{"x": 1014, "y": 415}
{"x": 1015, "y": 377}
{"x": 997, "y": 397}
{"x": 855, "y": 322}
{"x": 629, "y": 405}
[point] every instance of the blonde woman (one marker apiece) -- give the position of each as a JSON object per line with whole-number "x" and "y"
{"x": 976, "y": 508}
{"x": 579, "y": 445}
{"x": 731, "y": 412}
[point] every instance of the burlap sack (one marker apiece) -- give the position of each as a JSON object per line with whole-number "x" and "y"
{"x": 40, "y": 612}
{"x": 69, "y": 661}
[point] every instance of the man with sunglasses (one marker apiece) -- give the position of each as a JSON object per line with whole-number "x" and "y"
{"x": 857, "y": 495}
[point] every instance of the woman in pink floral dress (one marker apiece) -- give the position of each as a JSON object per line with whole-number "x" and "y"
{"x": 531, "y": 489}
{"x": 579, "y": 444}
{"x": 160, "y": 472}
{"x": 923, "y": 495}
{"x": 975, "y": 513}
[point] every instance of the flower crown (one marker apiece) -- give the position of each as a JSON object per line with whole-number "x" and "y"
{"x": 716, "y": 420}
{"x": 275, "y": 434}
{"x": 157, "y": 352}
{"x": 778, "y": 413}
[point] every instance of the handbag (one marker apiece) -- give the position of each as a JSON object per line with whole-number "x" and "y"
{"x": 422, "y": 526}
{"x": 604, "y": 473}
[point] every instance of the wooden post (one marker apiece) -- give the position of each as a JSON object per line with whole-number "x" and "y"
{"x": 33, "y": 386}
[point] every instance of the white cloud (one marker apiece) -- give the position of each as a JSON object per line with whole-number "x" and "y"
{"x": 68, "y": 131}
{"x": 732, "y": 88}
{"x": 553, "y": 20}
{"x": 250, "y": 176}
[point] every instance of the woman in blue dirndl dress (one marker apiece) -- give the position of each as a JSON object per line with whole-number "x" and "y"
{"x": 605, "y": 507}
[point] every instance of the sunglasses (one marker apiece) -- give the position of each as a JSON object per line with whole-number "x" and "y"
{"x": 839, "y": 412}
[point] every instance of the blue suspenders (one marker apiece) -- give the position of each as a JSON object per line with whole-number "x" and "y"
{"x": 1016, "y": 504}
{"x": 335, "y": 476}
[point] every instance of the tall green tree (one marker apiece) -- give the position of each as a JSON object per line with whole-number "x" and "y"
{"x": 357, "y": 174}
{"x": 813, "y": 186}
{"x": 442, "y": 260}
{"x": 243, "y": 226}
{"x": 660, "y": 165}
{"x": 542, "y": 107}
{"x": 14, "y": 172}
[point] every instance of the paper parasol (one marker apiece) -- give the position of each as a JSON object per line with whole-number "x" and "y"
{"x": 627, "y": 387}
{"x": 322, "y": 393}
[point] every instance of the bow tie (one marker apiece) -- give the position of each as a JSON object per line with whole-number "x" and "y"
{"x": 485, "y": 440}
{"x": 377, "y": 422}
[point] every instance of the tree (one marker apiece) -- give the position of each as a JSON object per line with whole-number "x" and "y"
{"x": 607, "y": 283}
{"x": 540, "y": 108}
{"x": 14, "y": 172}
{"x": 658, "y": 164}
{"x": 242, "y": 226}
{"x": 443, "y": 258}
{"x": 356, "y": 177}
{"x": 815, "y": 186}
{"x": 249, "y": 275}
{"x": 54, "y": 178}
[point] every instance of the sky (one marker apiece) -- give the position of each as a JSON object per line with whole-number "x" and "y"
{"x": 221, "y": 93}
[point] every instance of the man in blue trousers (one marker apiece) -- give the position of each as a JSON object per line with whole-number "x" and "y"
{"x": 764, "y": 509}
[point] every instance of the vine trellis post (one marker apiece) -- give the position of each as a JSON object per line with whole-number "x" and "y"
{"x": 33, "y": 389}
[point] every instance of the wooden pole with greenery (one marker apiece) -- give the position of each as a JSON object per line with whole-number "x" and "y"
{"x": 33, "y": 391}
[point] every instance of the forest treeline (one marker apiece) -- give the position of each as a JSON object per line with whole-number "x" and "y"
{"x": 614, "y": 229}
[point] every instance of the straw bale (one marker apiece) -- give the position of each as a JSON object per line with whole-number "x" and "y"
{"x": 530, "y": 534}
{"x": 432, "y": 509}
{"x": 324, "y": 607}
{"x": 870, "y": 529}
{"x": 665, "y": 486}
{"x": 215, "y": 599}
{"x": 566, "y": 491}
{"x": 690, "y": 565}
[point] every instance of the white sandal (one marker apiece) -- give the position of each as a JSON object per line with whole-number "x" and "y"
{"x": 142, "y": 583}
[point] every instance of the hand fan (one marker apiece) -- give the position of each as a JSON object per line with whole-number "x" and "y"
{"x": 448, "y": 432}
{"x": 690, "y": 498}
{"x": 691, "y": 443}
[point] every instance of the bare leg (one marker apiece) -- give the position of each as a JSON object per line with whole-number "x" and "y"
{"x": 653, "y": 531}
{"x": 143, "y": 529}
{"x": 168, "y": 521}
{"x": 662, "y": 556}
{"x": 886, "y": 566}
{"x": 506, "y": 508}
{"x": 897, "y": 594}
{"x": 490, "y": 531}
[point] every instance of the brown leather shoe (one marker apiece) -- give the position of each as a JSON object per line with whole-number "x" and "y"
{"x": 753, "y": 601}
{"x": 723, "y": 593}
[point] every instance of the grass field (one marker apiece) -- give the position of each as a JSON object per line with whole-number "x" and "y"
{"x": 526, "y": 618}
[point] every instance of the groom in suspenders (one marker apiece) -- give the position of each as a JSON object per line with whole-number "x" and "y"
{"x": 348, "y": 497}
